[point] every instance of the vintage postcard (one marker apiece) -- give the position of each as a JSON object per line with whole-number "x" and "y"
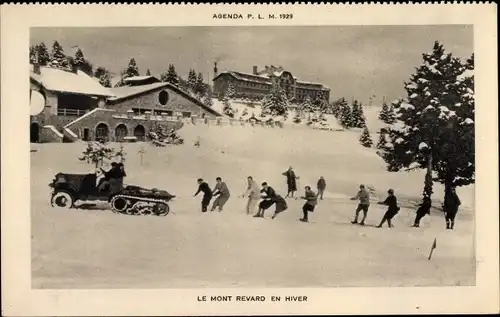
{"x": 249, "y": 159}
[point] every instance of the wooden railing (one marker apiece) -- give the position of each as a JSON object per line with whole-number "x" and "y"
{"x": 71, "y": 112}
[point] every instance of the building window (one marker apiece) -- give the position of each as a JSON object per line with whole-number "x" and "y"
{"x": 186, "y": 114}
{"x": 163, "y": 97}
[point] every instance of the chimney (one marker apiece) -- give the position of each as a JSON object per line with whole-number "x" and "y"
{"x": 215, "y": 69}
{"x": 255, "y": 70}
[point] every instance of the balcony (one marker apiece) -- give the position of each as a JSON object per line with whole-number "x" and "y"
{"x": 71, "y": 112}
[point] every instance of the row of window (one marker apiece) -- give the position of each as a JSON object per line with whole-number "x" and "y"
{"x": 169, "y": 113}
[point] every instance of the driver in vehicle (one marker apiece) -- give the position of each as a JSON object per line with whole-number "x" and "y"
{"x": 104, "y": 183}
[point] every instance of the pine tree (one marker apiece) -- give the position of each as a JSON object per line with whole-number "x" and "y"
{"x": 199, "y": 86}
{"x": 435, "y": 127}
{"x": 191, "y": 81}
{"x": 207, "y": 99}
{"x": 231, "y": 92}
{"x": 357, "y": 115}
{"x": 297, "y": 118}
{"x": 132, "y": 69}
{"x": 227, "y": 109}
{"x": 365, "y": 138}
{"x": 81, "y": 63}
{"x": 275, "y": 103}
{"x": 148, "y": 72}
{"x": 33, "y": 56}
{"x": 105, "y": 80}
{"x": 345, "y": 116}
{"x": 170, "y": 76}
{"x": 382, "y": 140}
{"x": 43, "y": 54}
{"x": 58, "y": 58}
{"x": 386, "y": 115}
{"x": 305, "y": 110}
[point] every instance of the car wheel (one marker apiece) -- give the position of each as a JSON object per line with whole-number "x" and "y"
{"x": 62, "y": 199}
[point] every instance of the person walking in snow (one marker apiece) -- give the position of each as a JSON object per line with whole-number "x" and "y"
{"x": 321, "y": 187}
{"x": 270, "y": 198}
{"x": 253, "y": 194}
{"x": 290, "y": 181}
{"x": 311, "y": 202}
{"x": 450, "y": 207}
{"x": 392, "y": 202}
{"x": 364, "y": 204}
{"x": 423, "y": 209}
{"x": 222, "y": 193}
{"x": 207, "y": 194}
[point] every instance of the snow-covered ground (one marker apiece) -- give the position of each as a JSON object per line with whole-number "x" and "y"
{"x": 99, "y": 249}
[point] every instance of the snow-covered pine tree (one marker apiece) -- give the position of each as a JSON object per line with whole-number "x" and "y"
{"x": 199, "y": 86}
{"x": 227, "y": 109}
{"x": 275, "y": 103}
{"x": 382, "y": 116}
{"x": 365, "y": 138}
{"x": 170, "y": 76}
{"x": 33, "y": 56}
{"x": 105, "y": 80}
{"x": 435, "y": 127}
{"x": 148, "y": 72}
{"x": 231, "y": 91}
{"x": 58, "y": 58}
{"x": 132, "y": 69}
{"x": 82, "y": 64}
{"x": 43, "y": 54}
{"x": 207, "y": 99}
{"x": 297, "y": 118}
{"x": 357, "y": 115}
{"x": 345, "y": 116}
{"x": 191, "y": 81}
{"x": 382, "y": 139}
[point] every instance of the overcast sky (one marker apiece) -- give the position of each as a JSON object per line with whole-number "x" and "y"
{"x": 354, "y": 61}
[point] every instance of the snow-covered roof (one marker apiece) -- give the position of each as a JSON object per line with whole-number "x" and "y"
{"x": 60, "y": 80}
{"x": 128, "y": 91}
{"x": 139, "y": 78}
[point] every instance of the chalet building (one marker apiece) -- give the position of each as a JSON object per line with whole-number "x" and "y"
{"x": 257, "y": 84}
{"x": 68, "y": 95}
{"x": 78, "y": 107}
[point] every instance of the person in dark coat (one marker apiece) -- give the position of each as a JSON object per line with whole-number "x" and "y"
{"x": 290, "y": 181}
{"x": 423, "y": 209}
{"x": 222, "y": 192}
{"x": 392, "y": 202}
{"x": 450, "y": 207}
{"x": 270, "y": 198}
{"x": 321, "y": 187}
{"x": 207, "y": 194}
{"x": 104, "y": 183}
{"x": 116, "y": 182}
{"x": 311, "y": 202}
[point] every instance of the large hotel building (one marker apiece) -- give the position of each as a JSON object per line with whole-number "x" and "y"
{"x": 257, "y": 84}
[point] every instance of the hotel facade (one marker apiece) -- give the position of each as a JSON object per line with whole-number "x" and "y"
{"x": 257, "y": 84}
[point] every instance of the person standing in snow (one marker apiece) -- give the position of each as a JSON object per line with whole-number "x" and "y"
{"x": 290, "y": 181}
{"x": 311, "y": 202}
{"x": 270, "y": 198}
{"x": 207, "y": 194}
{"x": 321, "y": 187}
{"x": 423, "y": 209}
{"x": 364, "y": 204}
{"x": 222, "y": 192}
{"x": 392, "y": 202}
{"x": 253, "y": 194}
{"x": 450, "y": 206}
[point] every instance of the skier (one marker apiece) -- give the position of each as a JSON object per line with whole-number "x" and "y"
{"x": 321, "y": 187}
{"x": 450, "y": 207}
{"x": 423, "y": 209}
{"x": 364, "y": 203}
{"x": 253, "y": 194}
{"x": 270, "y": 198}
{"x": 290, "y": 181}
{"x": 392, "y": 202}
{"x": 207, "y": 194}
{"x": 311, "y": 202}
{"x": 222, "y": 192}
